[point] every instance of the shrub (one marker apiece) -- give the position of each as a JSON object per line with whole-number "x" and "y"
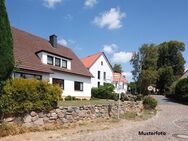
{"x": 149, "y": 102}
{"x": 103, "y": 92}
{"x": 181, "y": 90}
{"x": 23, "y": 95}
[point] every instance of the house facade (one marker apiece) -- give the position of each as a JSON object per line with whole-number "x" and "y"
{"x": 120, "y": 83}
{"x": 99, "y": 67}
{"x": 185, "y": 75}
{"x": 46, "y": 60}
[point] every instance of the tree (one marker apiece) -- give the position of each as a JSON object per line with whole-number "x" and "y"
{"x": 166, "y": 78}
{"x": 6, "y": 45}
{"x": 135, "y": 61}
{"x": 170, "y": 64}
{"x": 117, "y": 68}
{"x": 170, "y": 54}
{"x": 147, "y": 78}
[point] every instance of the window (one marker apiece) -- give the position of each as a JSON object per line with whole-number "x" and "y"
{"x": 59, "y": 82}
{"x": 99, "y": 73}
{"x": 64, "y": 64}
{"x": 27, "y": 76}
{"x": 101, "y": 63}
{"x": 57, "y": 62}
{"x": 78, "y": 86}
{"x": 104, "y": 76}
{"x": 98, "y": 84}
{"x": 50, "y": 60}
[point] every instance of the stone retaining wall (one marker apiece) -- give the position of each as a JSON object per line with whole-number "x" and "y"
{"x": 72, "y": 114}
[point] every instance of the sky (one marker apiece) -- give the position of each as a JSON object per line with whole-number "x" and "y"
{"x": 117, "y": 27}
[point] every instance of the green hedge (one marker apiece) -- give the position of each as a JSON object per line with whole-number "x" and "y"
{"x": 149, "y": 102}
{"x": 104, "y": 92}
{"x": 181, "y": 90}
{"x": 23, "y": 95}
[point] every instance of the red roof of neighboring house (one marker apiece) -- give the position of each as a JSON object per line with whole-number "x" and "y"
{"x": 117, "y": 77}
{"x": 90, "y": 60}
{"x": 26, "y": 46}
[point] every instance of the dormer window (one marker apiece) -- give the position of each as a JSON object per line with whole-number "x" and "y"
{"x": 50, "y": 60}
{"x": 57, "y": 62}
{"x": 64, "y": 63}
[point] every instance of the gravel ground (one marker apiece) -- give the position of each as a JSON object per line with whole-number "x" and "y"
{"x": 172, "y": 118}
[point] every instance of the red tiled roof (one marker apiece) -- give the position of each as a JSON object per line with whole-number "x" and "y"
{"x": 119, "y": 77}
{"x": 90, "y": 60}
{"x": 26, "y": 46}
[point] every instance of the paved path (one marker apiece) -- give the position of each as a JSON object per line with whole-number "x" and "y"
{"x": 172, "y": 118}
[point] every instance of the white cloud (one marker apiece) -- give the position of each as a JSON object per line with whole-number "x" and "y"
{"x": 111, "y": 19}
{"x": 68, "y": 17}
{"x": 90, "y": 3}
{"x": 110, "y": 48}
{"x": 63, "y": 42}
{"x": 121, "y": 57}
{"x": 51, "y": 3}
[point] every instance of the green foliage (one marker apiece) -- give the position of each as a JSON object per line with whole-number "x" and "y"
{"x": 147, "y": 78}
{"x": 69, "y": 98}
{"x": 22, "y": 95}
{"x": 117, "y": 68}
{"x": 149, "y": 102}
{"x": 104, "y": 92}
{"x": 170, "y": 54}
{"x": 6, "y": 45}
{"x": 166, "y": 78}
{"x": 135, "y": 61}
{"x": 181, "y": 90}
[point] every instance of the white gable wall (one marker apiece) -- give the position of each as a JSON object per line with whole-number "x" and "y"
{"x": 102, "y": 68}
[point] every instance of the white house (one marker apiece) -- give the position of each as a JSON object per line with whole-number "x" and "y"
{"x": 120, "y": 83}
{"x": 185, "y": 75}
{"x": 100, "y": 68}
{"x": 46, "y": 60}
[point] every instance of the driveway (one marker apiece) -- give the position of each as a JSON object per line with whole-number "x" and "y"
{"x": 171, "y": 119}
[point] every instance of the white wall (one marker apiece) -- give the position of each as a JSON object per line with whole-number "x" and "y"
{"x": 69, "y": 84}
{"x": 122, "y": 88}
{"x": 102, "y": 68}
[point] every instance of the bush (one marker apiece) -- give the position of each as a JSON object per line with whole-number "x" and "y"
{"x": 181, "y": 90}
{"x": 23, "y": 95}
{"x": 149, "y": 102}
{"x": 104, "y": 92}
{"x": 69, "y": 98}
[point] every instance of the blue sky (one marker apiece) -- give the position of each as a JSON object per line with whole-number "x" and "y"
{"x": 118, "y": 27}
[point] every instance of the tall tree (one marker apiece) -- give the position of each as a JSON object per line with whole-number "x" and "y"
{"x": 135, "y": 61}
{"x": 6, "y": 44}
{"x": 170, "y": 63}
{"x": 117, "y": 68}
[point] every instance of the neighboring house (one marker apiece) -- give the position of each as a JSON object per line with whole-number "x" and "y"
{"x": 100, "y": 68}
{"x": 46, "y": 60}
{"x": 185, "y": 75}
{"x": 120, "y": 83}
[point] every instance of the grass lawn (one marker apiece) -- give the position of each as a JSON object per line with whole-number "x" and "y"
{"x": 85, "y": 102}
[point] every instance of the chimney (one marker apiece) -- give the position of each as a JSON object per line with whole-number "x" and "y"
{"x": 53, "y": 40}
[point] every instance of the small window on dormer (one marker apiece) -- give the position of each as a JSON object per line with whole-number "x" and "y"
{"x": 101, "y": 63}
{"x": 57, "y": 62}
{"x": 64, "y": 63}
{"x": 50, "y": 60}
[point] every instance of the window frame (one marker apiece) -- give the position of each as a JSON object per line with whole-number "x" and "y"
{"x": 65, "y": 63}
{"x": 99, "y": 75}
{"x": 57, "y": 79}
{"x": 104, "y": 76}
{"x": 49, "y": 56}
{"x": 59, "y": 62}
{"x": 23, "y": 75}
{"x": 81, "y": 86}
